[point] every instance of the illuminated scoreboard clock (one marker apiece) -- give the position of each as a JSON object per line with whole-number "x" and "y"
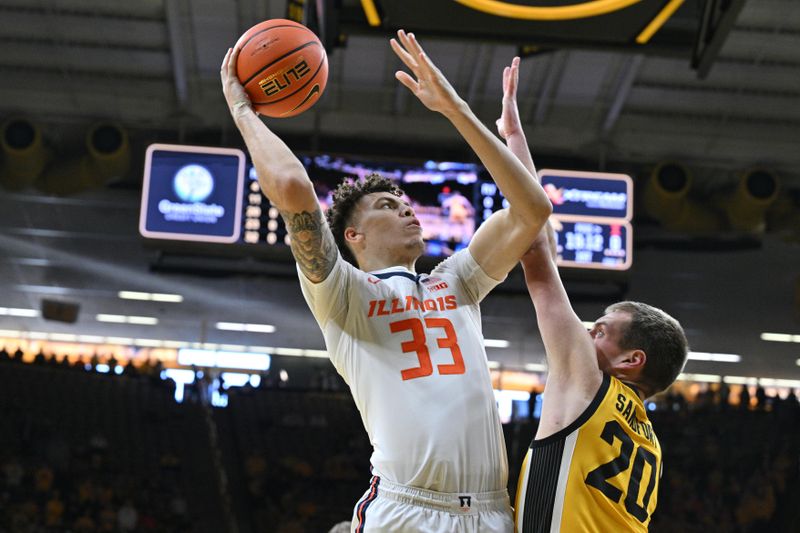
{"x": 598, "y": 244}
{"x": 591, "y": 215}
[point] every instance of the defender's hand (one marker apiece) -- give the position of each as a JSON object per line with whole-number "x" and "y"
{"x": 509, "y": 122}
{"x": 430, "y": 85}
{"x": 235, "y": 95}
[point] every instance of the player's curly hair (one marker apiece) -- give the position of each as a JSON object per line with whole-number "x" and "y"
{"x": 345, "y": 198}
{"x": 662, "y": 339}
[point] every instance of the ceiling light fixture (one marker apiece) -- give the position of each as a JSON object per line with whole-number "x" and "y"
{"x": 780, "y": 337}
{"x": 16, "y": 311}
{"x": 703, "y": 378}
{"x": 125, "y": 319}
{"x": 716, "y": 357}
{"x": 535, "y": 367}
{"x": 150, "y": 296}
{"x": 251, "y": 328}
{"x": 496, "y": 343}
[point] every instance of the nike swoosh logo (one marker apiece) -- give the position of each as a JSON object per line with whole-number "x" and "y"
{"x": 314, "y": 91}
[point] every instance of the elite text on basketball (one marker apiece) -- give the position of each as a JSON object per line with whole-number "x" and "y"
{"x": 284, "y": 78}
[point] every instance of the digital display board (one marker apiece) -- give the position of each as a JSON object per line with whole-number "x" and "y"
{"x": 202, "y": 194}
{"x": 591, "y": 215}
{"x": 443, "y": 195}
{"x": 589, "y": 194}
{"x": 192, "y": 193}
{"x": 593, "y": 244}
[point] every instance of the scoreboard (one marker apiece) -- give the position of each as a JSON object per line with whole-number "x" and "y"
{"x": 442, "y": 195}
{"x": 591, "y": 215}
{"x": 212, "y": 195}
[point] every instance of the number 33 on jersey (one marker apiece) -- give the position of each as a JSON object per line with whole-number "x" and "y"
{"x": 598, "y": 474}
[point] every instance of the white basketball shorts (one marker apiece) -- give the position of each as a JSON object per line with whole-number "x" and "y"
{"x": 391, "y": 508}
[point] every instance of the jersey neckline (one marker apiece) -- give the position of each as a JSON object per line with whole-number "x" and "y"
{"x": 401, "y": 271}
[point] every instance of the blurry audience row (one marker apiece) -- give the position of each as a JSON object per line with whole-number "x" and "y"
{"x": 117, "y": 454}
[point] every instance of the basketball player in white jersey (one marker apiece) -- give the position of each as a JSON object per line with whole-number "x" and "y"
{"x": 595, "y": 461}
{"x": 409, "y": 345}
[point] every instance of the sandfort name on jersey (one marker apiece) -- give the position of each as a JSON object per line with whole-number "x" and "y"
{"x": 628, "y": 410}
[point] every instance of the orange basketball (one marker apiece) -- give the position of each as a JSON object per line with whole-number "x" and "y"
{"x": 282, "y": 66}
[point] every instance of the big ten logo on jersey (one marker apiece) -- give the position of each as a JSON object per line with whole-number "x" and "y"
{"x": 434, "y": 284}
{"x": 411, "y": 303}
{"x": 282, "y": 79}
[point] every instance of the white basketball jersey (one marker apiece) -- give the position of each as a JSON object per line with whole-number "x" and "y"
{"x": 411, "y": 349}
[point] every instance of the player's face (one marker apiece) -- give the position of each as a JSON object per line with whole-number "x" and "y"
{"x": 607, "y": 333}
{"x": 389, "y": 225}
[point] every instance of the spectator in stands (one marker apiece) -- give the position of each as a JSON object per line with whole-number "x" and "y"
{"x": 13, "y": 472}
{"x": 127, "y": 516}
{"x": 84, "y": 523}
{"x": 4, "y": 356}
{"x": 130, "y": 369}
{"x": 43, "y": 479}
{"x": 724, "y": 396}
{"x": 54, "y": 510}
{"x": 744, "y": 398}
{"x": 761, "y": 398}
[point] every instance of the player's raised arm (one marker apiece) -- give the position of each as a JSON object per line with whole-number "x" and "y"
{"x": 501, "y": 241}
{"x": 572, "y": 363}
{"x": 283, "y": 179}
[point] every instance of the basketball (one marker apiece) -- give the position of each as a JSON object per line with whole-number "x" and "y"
{"x": 282, "y": 66}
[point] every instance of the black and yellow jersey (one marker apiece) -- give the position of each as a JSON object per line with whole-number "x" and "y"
{"x": 599, "y": 474}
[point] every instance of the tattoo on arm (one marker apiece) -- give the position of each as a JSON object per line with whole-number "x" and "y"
{"x": 313, "y": 245}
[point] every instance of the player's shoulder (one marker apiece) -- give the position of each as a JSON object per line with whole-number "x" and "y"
{"x": 459, "y": 260}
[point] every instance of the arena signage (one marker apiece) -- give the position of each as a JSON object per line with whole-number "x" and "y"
{"x": 192, "y": 193}
{"x": 589, "y": 194}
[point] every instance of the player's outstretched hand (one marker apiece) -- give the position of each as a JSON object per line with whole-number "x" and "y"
{"x": 430, "y": 85}
{"x": 509, "y": 122}
{"x": 235, "y": 95}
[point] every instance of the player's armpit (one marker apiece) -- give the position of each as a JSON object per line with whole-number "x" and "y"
{"x": 313, "y": 245}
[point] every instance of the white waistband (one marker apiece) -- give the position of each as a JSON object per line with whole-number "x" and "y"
{"x": 454, "y": 502}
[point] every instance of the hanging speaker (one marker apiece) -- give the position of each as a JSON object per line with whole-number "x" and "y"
{"x": 60, "y": 311}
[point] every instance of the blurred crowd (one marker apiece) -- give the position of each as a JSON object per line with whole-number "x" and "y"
{"x": 729, "y": 468}
{"x": 296, "y": 456}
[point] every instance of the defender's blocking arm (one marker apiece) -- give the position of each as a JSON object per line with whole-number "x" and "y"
{"x": 573, "y": 373}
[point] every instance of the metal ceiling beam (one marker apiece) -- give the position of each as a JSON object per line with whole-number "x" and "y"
{"x": 176, "y": 21}
{"x": 86, "y": 29}
{"x": 713, "y": 32}
{"x": 623, "y": 89}
{"x": 151, "y": 9}
{"x": 477, "y": 77}
{"x": 80, "y": 58}
{"x": 548, "y": 87}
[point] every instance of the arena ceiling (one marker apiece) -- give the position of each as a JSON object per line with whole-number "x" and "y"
{"x": 153, "y": 67}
